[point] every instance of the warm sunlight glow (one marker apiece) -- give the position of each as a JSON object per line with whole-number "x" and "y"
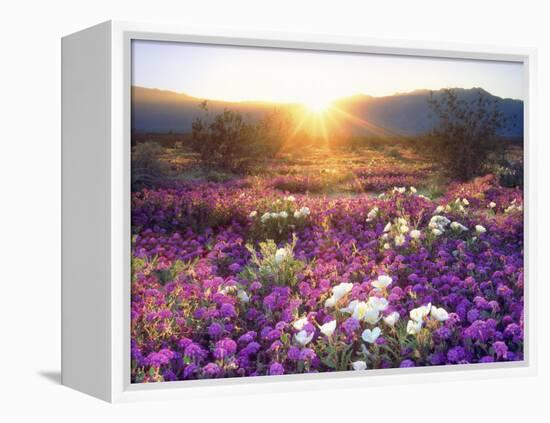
{"x": 317, "y": 105}
{"x": 295, "y": 76}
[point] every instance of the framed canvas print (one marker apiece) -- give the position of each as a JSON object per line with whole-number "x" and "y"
{"x": 247, "y": 213}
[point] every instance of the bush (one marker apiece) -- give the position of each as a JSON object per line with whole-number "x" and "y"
{"x": 394, "y": 152}
{"x": 272, "y": 132}
{"x": 273, "y": 266}
{"x": 467, "y": 132}
{"x": 277, "y": 220}
{"x": 147, "y": 164}
{"x": 225, "y": 143}
{"x": 229, "y": 143}
{"x": 510, "y": 174}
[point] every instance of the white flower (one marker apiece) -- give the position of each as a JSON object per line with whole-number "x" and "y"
{"x": 297, "y": 214}
{"x": 439, "y": 222}
{"x": 243, "y": 296}
{"x": 283, "y": 214}
{"x": 480, "y": 229}
{"x": 436, "y": 232}
{"x": 303, "y": 338}
{"x": 458, "y": 227}
{"x": 413, "y": 327}
{"x": 338, "y": 292}
{"x": 371, "y": 315}
{"x": 359, "y": 365}
{"x": 399, "y": 240}
{"x": 387, "y": 228}
{"x": 465, "y": 202}
{"x": 253, "y": 214}
{"x": 265, "y": 217}
{"x": 290, "y": 198}
{"x": 400, "y": 190}
{"x": 328, "y": 328}
{"x": 330, "y": 302}
{"x": 392, "y": 318}
{"x": 382, "y": 282}
{"x": 228, "y": 289}
{"x": 418, "y": 314}
{"x": 386, "y": 246}
{"x": 492, "y": 205}
{"x": 362, "y": 311}
{"x": 415, "y": 234}
{"x": 401, "y": 221}
{"x": 439, "y": 209}
{"x": 371, "y": 336}
{"x": 341, "y": 289}
{"x": 300, "y": 323}
{"x": 439, "y": 314}
{"x": 350, "y": 307}
{"x": 404, "y": 229}
{"x": 378, "y": 303}
{"x": 305, "y": 211}
{"x": 413, "y": 190}
{"x": 372, "y": 214}
{"x": 358, "y": 309}
{"x": 512, "y": 207}
{"x": 280, "y": 255}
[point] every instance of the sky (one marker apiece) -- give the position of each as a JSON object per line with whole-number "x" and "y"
{"x": 309, "y": 77}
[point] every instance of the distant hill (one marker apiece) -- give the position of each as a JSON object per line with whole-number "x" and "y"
{"x": 157, "y": 111}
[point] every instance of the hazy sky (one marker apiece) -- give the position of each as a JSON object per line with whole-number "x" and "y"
{"x": 243, "y": 73}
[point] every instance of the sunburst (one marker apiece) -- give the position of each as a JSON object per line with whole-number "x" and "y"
{"x": 317, "y": 105}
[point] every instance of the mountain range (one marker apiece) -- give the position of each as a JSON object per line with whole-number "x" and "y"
{"x": 403, "y": 114}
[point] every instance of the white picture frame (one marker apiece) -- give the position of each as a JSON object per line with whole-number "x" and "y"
{"x": 96, "y": 213}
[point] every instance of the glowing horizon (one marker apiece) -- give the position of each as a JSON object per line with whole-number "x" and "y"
{"x": 311, "y": 78}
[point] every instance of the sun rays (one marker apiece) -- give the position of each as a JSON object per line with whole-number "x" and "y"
{"x": 317, "y": 105}
{"x": 322, "y": 120}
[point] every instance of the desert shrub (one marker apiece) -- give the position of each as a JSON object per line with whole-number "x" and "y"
{"x": 272, "y": 131}
{"x": 147, "y": 164}
{"x": 273, "y": 266}
{"x": 466, "y": 133}
{"x": 374, "y": 143}
{"x": 393, "y": 152}
{"x": 230, "y": 143}
{"x": 226, "y": 142}
{"x": 278, "y": 219}
{"x": 509, "y": 173}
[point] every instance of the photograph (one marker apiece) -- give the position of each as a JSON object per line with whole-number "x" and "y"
{"x": 301, "y": 211}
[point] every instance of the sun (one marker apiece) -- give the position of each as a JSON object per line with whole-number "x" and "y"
{"x": 317, "y": 105}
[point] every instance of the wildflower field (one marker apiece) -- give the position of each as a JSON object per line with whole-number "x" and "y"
{"x": 327, "y": 261}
